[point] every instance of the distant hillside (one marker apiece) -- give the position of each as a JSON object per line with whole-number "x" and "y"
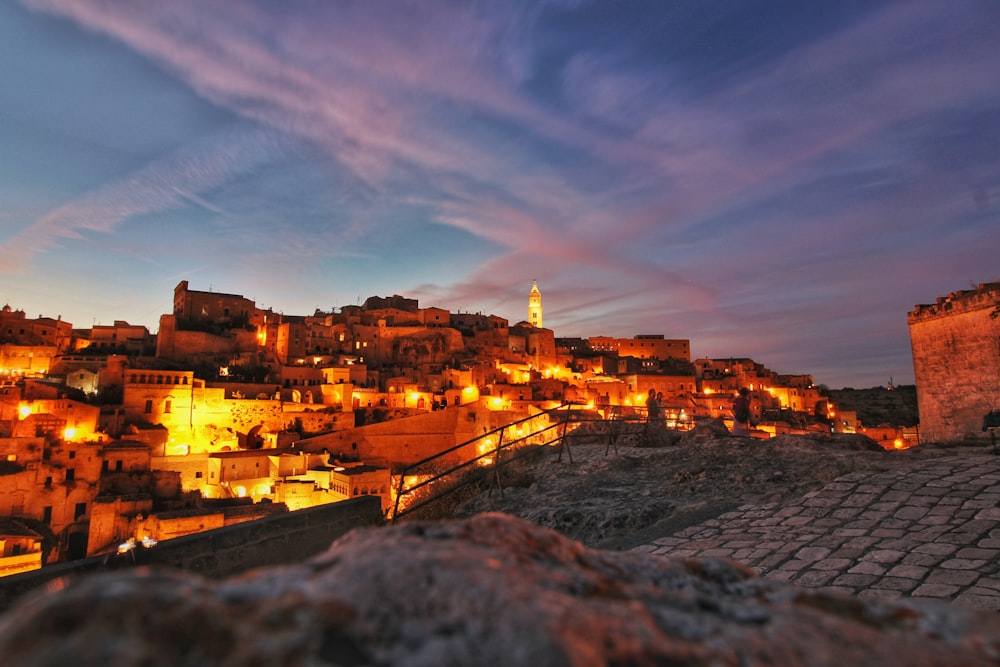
{"x": 879, "y": 405}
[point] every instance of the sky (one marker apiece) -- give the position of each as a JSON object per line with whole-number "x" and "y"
{"x": 773, "y": 179}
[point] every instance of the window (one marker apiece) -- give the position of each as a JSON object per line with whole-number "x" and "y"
{"x": 149, "y": 406}
{"x": 47, "y": 514}
{"x": 72, "y": 454}
{"x": 119, "y": 465}
{"x": 167, "y": 405}
{"x": 197, "y": 475}
{"x": 81, "y": 510}
{"x": 70, "y": 474}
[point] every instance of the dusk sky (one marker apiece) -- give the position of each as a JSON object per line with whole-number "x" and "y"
{"x": 781, "y": 180}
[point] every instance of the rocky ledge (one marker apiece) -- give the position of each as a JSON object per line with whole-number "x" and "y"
{"x": 619, "y": 498}
{"x": 490, "y": 590}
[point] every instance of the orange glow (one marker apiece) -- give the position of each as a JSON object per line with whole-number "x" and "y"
{"x": 898, "y": 443}
{"x": 708, "y": 391}
{"x": 24, "y": 411}
{"x": 69, "y": 433}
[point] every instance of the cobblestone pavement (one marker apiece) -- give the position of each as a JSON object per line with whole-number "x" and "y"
{"x": 931, "y": 530}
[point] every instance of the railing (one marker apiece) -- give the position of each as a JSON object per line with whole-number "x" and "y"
{"x": 435, "y": 477}
{"x": 506, "y": 449}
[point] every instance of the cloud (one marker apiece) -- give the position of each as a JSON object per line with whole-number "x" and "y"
{"x": 167, "y": 183}
{"x": 618, "y": 162}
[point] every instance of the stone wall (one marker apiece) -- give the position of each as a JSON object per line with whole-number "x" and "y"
{"x": 956, "y": 363}
{"x": 286, "y": 538}
{"x": 411, "y": 439}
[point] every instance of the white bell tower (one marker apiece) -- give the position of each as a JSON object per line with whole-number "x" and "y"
{"x": 535, "y": 305}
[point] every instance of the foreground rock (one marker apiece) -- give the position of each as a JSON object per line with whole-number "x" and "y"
{"x": 492, "y": 590}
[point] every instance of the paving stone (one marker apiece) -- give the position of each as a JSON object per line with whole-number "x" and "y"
{"x": 863, "y": 542}
{"x": 953, "y": 577}
{"x": 868, "y": 567}
{"x": 935, "y": 520}
{"x": 935, "y": 591}
{"x": 771, "y": 561}
{"x": 896, "y": 584}
{"x": 922, "y": 560}
{"x": 788, "y": 511}
{"x": 963, "y": 564}
{"x": 793, "y": 565}
{"x": 909, "y": 571}
{"x": 977, "y": 526}
{"x": 856, "y": 580}
{"x": 937, "y": 549}
{"x": 850, "y": 532}
{"x": 981, "y": 590}
{"x": 989, "y": 582}
{"x": 887, "y": 532}
{"x": 796, "y": 521}
{"x": 829, "y": 541}
{"x": 859, "y": 500}
{"x": 814, "y": 578}
{"x": 910, "y": 513}
{"x": 833, "y": 564}
{"x": 768, "y": 521}
{"x": 741, "y": 544}
{"x": 812, "y": 553}
{"x": 989, "y": 511}
{"x": 885, "y": 556}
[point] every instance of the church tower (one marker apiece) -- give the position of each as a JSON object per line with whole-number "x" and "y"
{"x": 535, "y": 305}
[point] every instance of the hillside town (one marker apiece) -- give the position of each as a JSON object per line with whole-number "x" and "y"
{"x": 111, "y": 435}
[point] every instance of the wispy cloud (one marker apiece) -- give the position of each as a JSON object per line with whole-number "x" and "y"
{"x": 165, "y": 184}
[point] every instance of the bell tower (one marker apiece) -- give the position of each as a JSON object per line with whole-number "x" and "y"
{"x": 535, "y": 305}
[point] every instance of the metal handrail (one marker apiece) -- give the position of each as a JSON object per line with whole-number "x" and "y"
{"x": 536, "y": 437}
{"x": 621, "y": 420}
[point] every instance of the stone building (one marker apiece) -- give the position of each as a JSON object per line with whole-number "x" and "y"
{"x": 645, "y": 346}
{"x": 956, "y": 362}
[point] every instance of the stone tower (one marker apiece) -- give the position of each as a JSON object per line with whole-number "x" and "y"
{"x": 956, "y": 363}
{"x": 535, "y": 305}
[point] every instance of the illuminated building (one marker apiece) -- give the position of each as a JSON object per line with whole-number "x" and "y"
{"x": 20, "y": 548}
{"x": 535, "y": 305}
{"x": 646, "y": 346}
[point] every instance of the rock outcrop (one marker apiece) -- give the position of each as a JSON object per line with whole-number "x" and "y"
{"x": 617, "y": 499}
{"x": 490, "y": 590}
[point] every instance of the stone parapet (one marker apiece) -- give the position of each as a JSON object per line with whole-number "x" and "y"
{"x": 986, "y": 295}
